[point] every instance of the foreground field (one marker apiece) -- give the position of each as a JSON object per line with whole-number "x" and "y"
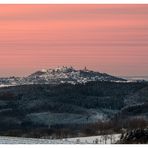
{"x": 104, "y": 139}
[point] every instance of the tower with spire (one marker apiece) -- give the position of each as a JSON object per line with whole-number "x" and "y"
{"x": 85, "y": 68}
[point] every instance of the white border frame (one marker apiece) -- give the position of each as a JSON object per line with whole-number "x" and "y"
{"x": 73, "y": 1}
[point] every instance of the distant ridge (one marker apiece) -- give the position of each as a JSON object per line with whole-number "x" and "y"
{"x": 60, "y": 75}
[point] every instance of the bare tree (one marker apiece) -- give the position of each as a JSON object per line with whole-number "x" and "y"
{"x": 78, "y": 141}
{"x": 105, "y": 137}
{"x": 96, "y": 141}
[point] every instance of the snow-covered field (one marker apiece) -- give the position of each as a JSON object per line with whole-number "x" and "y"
{"x": 103, "y": 139}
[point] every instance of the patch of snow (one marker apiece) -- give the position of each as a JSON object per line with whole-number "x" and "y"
{"x": 102, "y": 139}
{"x": 44, "y": 70}
{"x": 3, "y": 85}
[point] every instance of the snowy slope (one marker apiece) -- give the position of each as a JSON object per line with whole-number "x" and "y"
{"x": 103, "y": 139}
{"x": 108, "y": 139}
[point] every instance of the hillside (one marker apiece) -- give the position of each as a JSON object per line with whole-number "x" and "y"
{"x": 58, "y": 76}
{"x": 44, "y": 106}
{"x": 109, "y": 139}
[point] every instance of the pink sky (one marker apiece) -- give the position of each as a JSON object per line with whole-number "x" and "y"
{"x": 106, "y": 38}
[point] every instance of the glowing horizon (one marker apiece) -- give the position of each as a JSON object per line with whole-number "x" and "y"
{"x": 105, "y": 38}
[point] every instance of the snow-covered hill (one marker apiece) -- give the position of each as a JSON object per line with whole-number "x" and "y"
{"x": 59, "y": 75}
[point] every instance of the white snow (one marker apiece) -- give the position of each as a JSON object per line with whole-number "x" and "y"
{"x": 44, "y": 70}
{"x": 103, "y": 139}
{"x": 20, "y": 140}
{"x": 3, "y": 85}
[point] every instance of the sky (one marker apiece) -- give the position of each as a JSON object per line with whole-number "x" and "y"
{"x": 105, "y": 38}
